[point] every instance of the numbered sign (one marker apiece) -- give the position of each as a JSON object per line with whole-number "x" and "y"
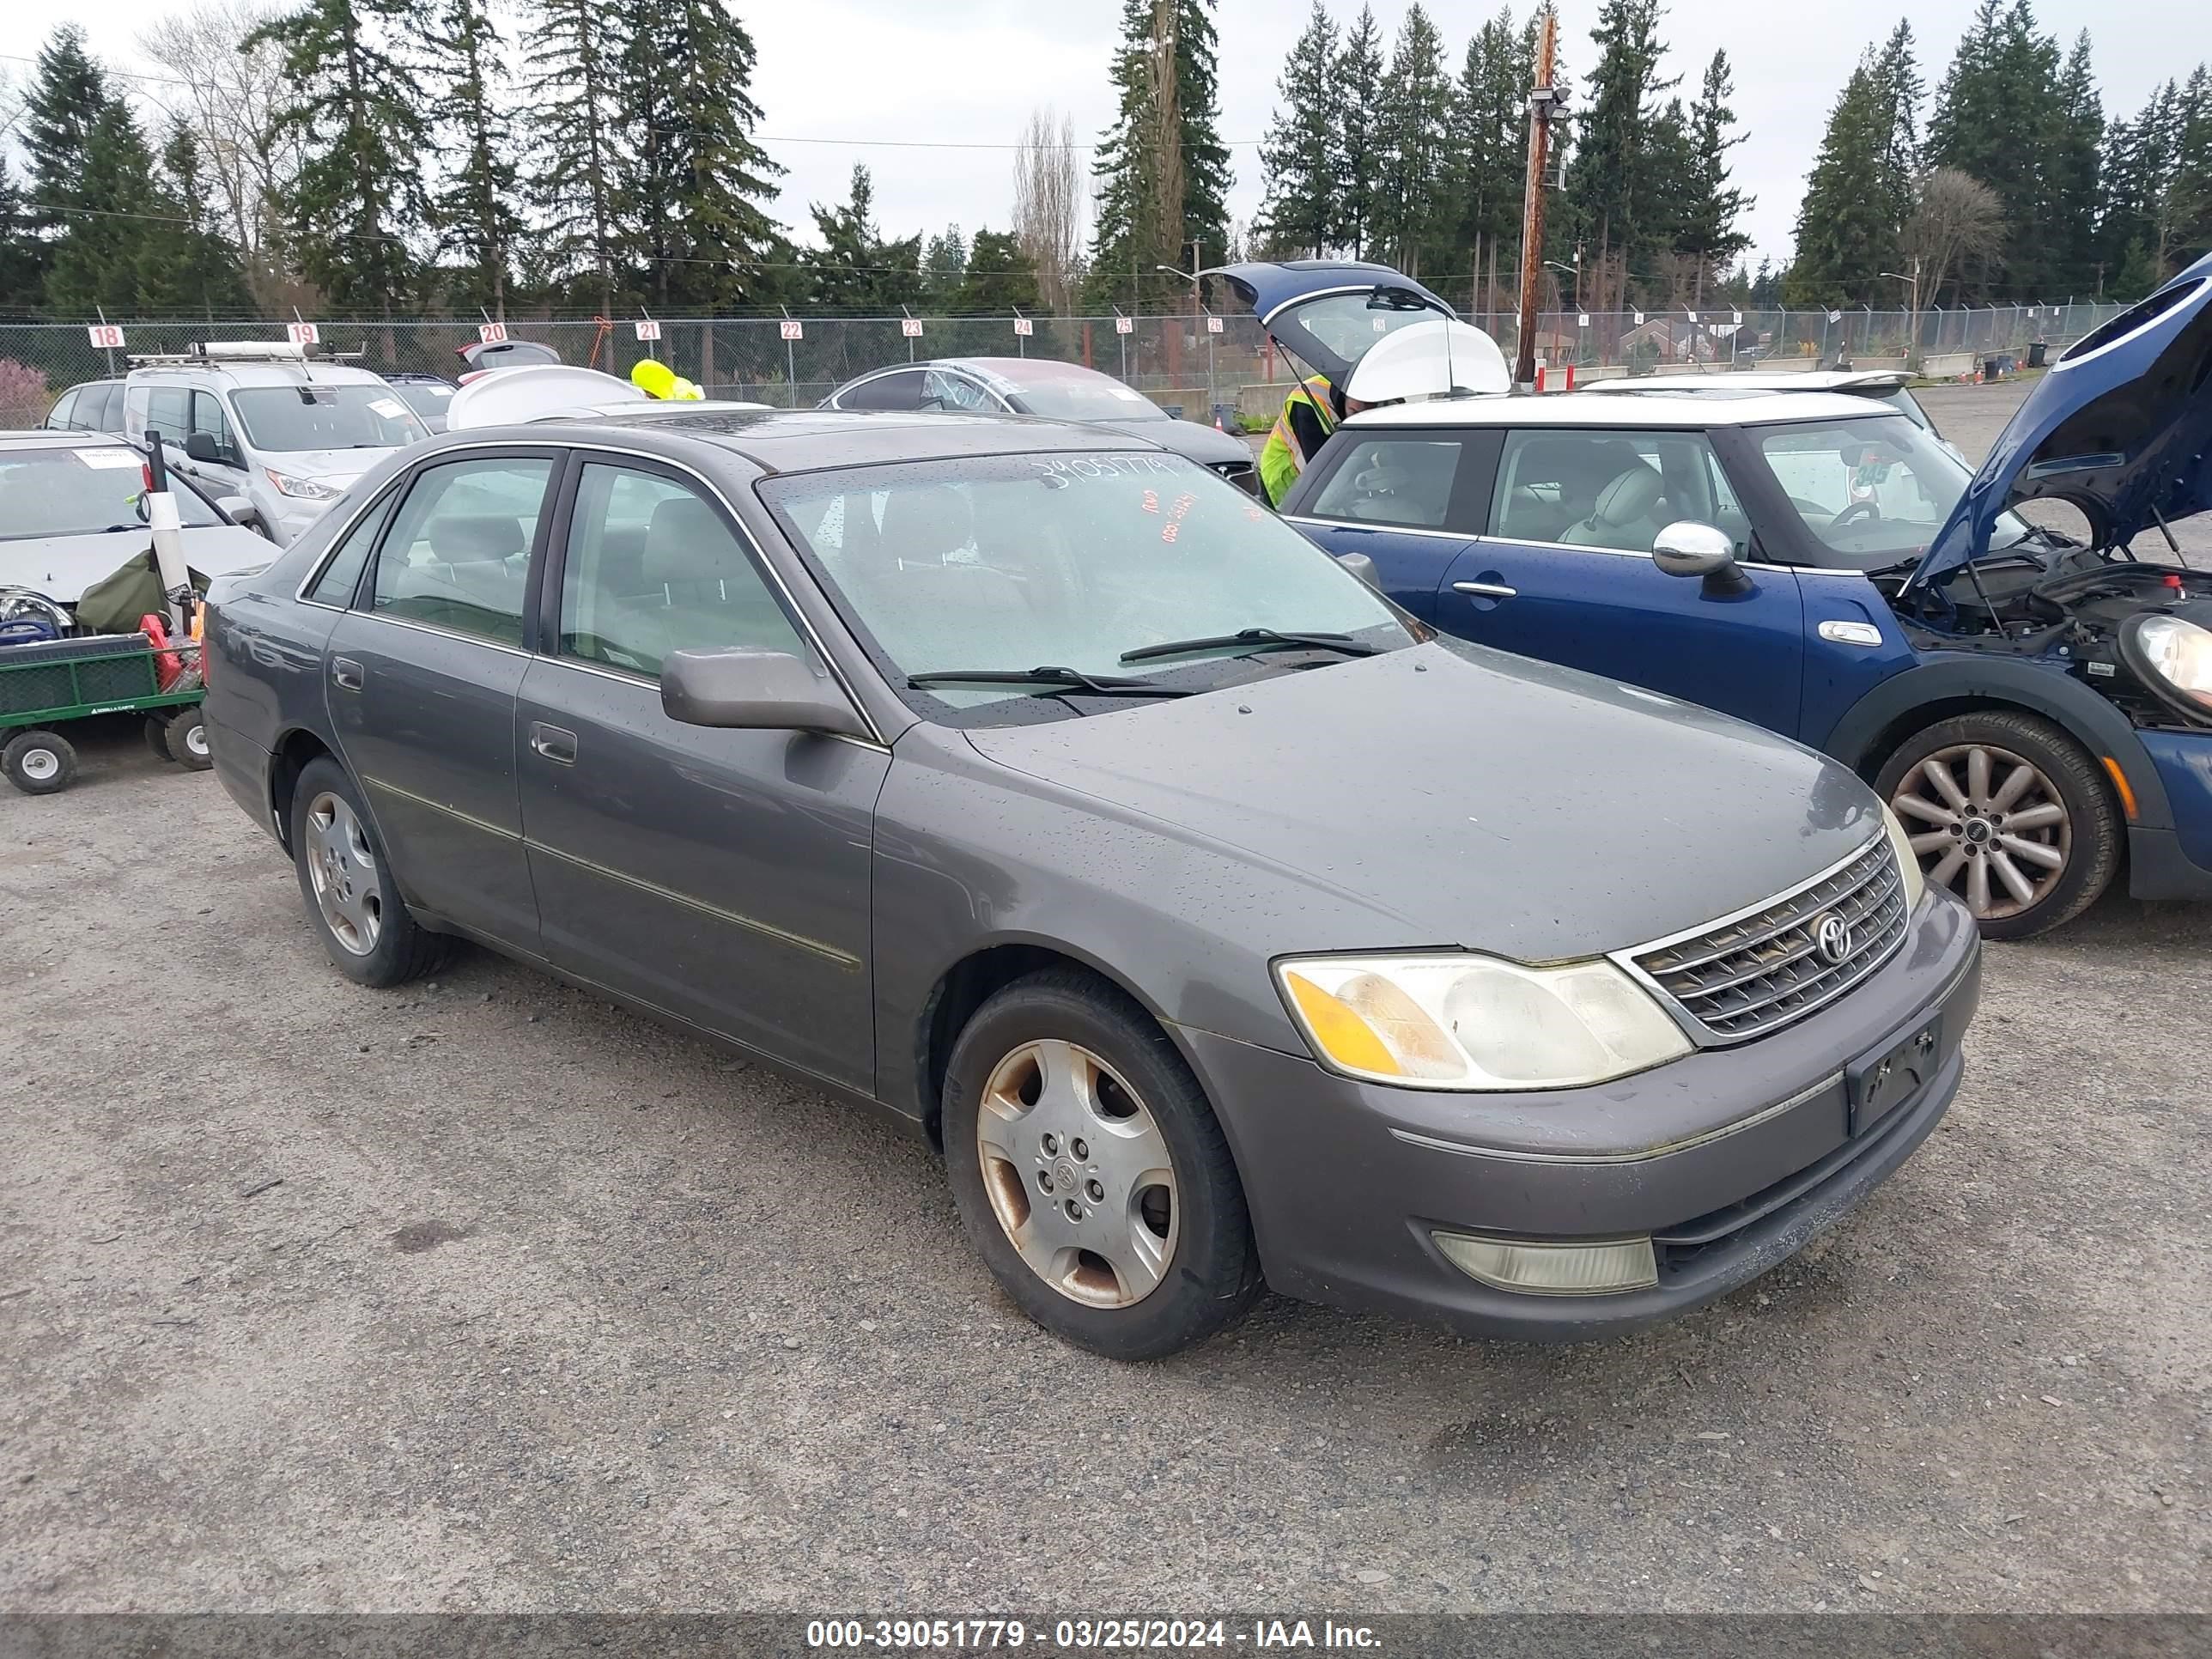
{"x": 302, "y": 334}
{"x": 1023, "y": 325}
{"x": 491, "y": 333}
{"x": 106, "y": 337}
{"x": 793, "y": 329}
{"x": 1735, "y": 316}
{"x": 911, "y": 327}
{"x": 1582, "y": 319}
{"x": 648, "y": 328}
{"x": 1692, "y": 316}
{"x": 1124, "y": 324}
{"x": 1835, "y": 316}
{"x": 1213, "y": 325}
{"x": 1638, "y": 316}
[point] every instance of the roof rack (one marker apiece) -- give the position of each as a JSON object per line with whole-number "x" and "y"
{"x": 217, "y": 354}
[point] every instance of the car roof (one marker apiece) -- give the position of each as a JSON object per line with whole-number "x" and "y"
{"x": 812, "y": 440}
{"x": 1657, "y": 410}
{"x": 44, "y": 438}
{"x": 1742, "y": 380}
{"x": 261, "y": 374}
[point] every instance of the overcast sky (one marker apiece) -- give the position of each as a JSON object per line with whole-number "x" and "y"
{"x": 969, "y": 71}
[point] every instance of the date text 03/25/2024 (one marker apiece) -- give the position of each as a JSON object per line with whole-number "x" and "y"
{"x": 1086, "y": 1635}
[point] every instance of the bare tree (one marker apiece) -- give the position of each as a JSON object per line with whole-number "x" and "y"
{"x": 1956, "y": 218}
{"x": 1049, "y": 204}
{"x": 229, "y": 98}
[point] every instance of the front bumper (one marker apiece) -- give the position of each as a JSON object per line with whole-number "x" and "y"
{"x": 2176, "y": 863}
{"x": 1731, "y": 1159}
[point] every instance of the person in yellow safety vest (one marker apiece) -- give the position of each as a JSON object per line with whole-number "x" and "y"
{"x": 1310, "y": 413}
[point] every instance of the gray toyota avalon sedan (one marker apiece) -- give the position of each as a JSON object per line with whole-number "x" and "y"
{"x": 1221, "y": 923}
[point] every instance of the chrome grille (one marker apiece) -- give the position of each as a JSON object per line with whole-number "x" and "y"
{"x": 1757, "y": 973}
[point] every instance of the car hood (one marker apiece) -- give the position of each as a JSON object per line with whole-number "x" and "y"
{"x": 1275, "y": 292}
{"x": 63, "y": 567}
{"x": 335, "y": 467}
{"x": 1471, "y": 799}
{"x": 1189, "y": 439}
{"x": 2121, "y": 426}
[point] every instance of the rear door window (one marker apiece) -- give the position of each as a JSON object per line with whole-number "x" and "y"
{"x": 1396, "y": 480}
{"x": 458, "y": 554}
{"x": 57, "y": 417}
{"x": 169, "y": 412}
{"x": 338, "y": 579}
{"x": 100, "y": 410}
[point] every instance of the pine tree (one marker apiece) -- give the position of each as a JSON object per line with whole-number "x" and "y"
{"x": 943, "y": 258}
{"x": 1849, "y": 225}
{"x": 96, "y": 262}
{"x": 575, "y": 52}
{"x": 21, "y": 278}
{"x": 2188, "y": 216}
{"x": 1415, "y": 137}
{"x": 1137, "y": 174}
{"x": 1491, "y": 119}
{"x": 184, "y": 262}
{"x": 356, "y": 106}
{"x": 476, "y": 209}
{"x": 856, "y": 271}
{"x": 1304, "y": 183}
{"x": 1000, "y": 279}
{"x": 1358, "y": 78}
{"x": 68, "y": 95}
{"x": 1613, "y": 188}
{"x": 1995, "y": 115}
{"x": 1706, "y": 231}
{"x": 2133, "y": 175}
{"x": 694, "y": 184}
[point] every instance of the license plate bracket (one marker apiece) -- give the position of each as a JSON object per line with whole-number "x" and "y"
{"x": 1875, "y": 1085}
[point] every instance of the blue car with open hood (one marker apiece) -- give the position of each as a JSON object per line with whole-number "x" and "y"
{"x": 2036, "y": 706}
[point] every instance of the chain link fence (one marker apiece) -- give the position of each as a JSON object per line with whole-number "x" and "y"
{"x": 1180, "y": 361}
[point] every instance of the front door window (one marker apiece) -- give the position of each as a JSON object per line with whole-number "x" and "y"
{"x": 1616, "y": 489}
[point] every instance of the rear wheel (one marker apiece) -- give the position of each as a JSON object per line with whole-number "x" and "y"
{"x": 39, "y": 763}
{"x": 2011, "y": 814}
{"x": 157, "y": 739}
{"x": 1090, "y": 1174}
{"x": 344, "y": 878}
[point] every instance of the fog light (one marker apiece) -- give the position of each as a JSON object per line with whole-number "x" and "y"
{"x": 1542, "y": 1268}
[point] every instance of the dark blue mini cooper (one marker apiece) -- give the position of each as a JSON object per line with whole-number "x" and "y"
{"x": 2037, "y": 708}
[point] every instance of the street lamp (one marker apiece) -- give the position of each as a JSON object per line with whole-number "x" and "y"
{"x": 1912, "y": 316}
{"x": 1198, "y": 293}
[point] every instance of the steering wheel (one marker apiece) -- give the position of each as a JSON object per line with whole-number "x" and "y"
{"x": 1869, "y": 509}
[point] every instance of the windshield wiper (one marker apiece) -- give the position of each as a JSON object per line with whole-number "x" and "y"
{"x": 1267, "y": 639}
{"x": 1108, "y": 685}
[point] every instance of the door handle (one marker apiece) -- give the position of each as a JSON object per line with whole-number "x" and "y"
{"x": 1486, "y": 590}
{"x": 345, "y": 673}
{"x": 553, "y": 742}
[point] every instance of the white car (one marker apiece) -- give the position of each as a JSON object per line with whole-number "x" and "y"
{"x": 70, "y": 506}
{"x": 1888, "y": 386}
{"x": 265, "y": 420}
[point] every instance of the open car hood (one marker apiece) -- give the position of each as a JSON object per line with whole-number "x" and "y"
{"x": 2121, "y": 426}
{"x": 1290, "y": 298}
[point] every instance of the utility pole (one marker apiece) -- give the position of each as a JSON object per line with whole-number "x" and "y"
{"x": 1543, "y": 99}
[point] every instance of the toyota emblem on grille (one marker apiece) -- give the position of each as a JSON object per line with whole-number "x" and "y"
{"x": 1833, "y": 936}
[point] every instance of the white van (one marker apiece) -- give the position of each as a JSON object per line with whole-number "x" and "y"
{"x": 265, "y": 420}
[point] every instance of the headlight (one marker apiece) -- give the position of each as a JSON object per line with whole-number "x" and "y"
{"x": 305, "y": 490}
{"x": 2175, "y": 656}
{"x": 1471, "y": 1022}
{"x": 1900, "y": 842}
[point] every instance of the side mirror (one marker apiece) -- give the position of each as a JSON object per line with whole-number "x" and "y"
{"x": 1362, "y": 567}
{"x": 239, "y": 510}
{"x": 1687, "y": 548}
{"x": 202, "y": 447}
{"x": 755, "y": 691}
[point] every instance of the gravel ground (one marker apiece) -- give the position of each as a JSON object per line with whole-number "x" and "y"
{"x": 486, "y": 1295}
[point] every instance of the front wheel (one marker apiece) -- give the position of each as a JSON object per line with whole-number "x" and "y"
{"x": 1090, "y": 1174}
{"x": 347, "y": 882}
{"x": 2011, "y": 814}
{"x": 39, "y": 762}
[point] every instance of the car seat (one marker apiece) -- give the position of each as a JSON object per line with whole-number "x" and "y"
{"x": 1623, "y": 514}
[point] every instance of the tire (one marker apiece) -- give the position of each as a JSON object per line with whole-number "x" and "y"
{"x": 157, "y": 739}
{"x": 346, "y": 884}
{"x": 2063, "y": 811}
{"x": 1176, "y": 1262}
{"x": 39, "y": 763}
{"x": 187, "y": 742}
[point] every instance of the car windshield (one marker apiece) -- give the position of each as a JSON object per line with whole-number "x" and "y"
{"x": 319, "y": 416}
{"x": 1872, "y": 492}
{"x": 82, "y": 492}
{"x": 1006, "y": 563}
{"x": 1078, "y": 396}
{"x": 424, "y": 396}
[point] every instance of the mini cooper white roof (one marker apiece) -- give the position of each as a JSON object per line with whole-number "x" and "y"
{"x": 1657, "y": 410}
{"x": 1736, "y": 382}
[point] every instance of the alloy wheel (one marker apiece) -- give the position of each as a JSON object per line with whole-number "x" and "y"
{"x": 1987, "y": 823}
{"x": 1079, "y": 1175}
{"x": 343, "y": 872}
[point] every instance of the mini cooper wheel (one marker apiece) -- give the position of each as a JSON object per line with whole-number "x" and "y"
{"x": 2009, "y": 813}
{"x": 347, "y": 884}
{"x": 1090, "y": 1174}
{"x": 39, "y": 762}
{"x": 186, "y": 737}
